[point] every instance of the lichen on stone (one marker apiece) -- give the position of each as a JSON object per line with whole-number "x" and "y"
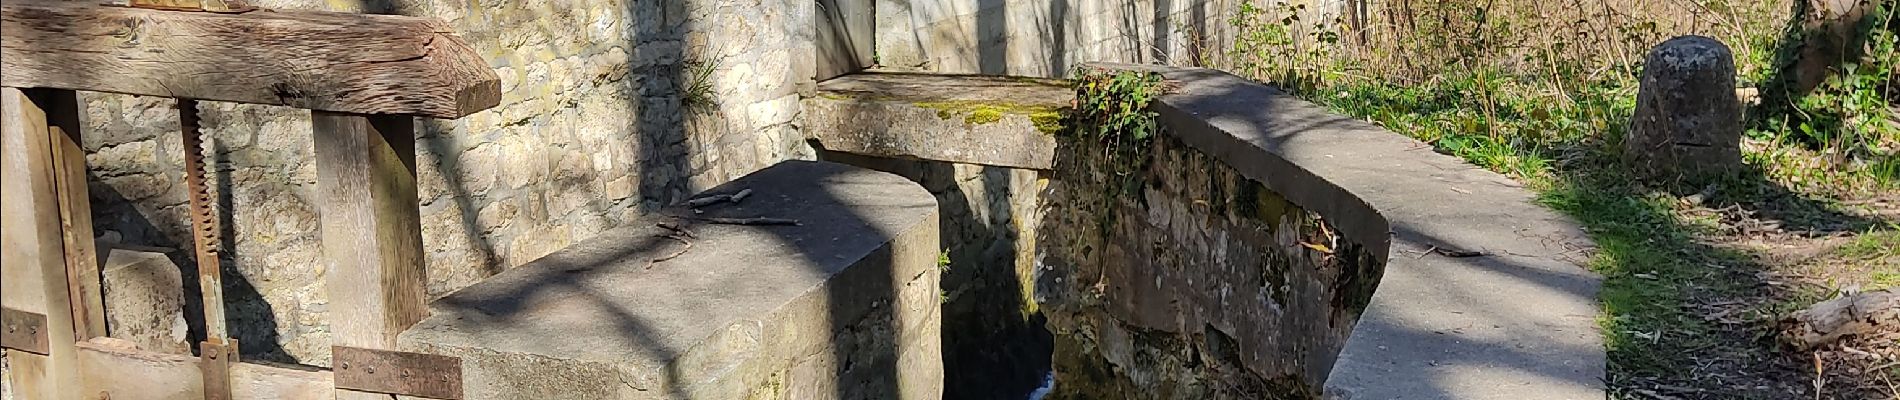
{"x": 1048, "y": 119}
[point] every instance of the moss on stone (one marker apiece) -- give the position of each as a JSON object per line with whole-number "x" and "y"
{"x": 1048, "y": 119}
{"x": 984, "y": 115}
{"x": 1051, "y": 122}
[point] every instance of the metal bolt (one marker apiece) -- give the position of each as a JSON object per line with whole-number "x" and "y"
{"x": 13, "y": 328}
{"x": 370, "y": 369}
{"x": 346, "y": 365}
{"x": 404, "y": 374}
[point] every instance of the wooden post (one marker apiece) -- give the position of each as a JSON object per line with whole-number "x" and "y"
{"x": 75, "y": 211}
{"x": 372, "y": 235}
{"x": 38, "y": 135}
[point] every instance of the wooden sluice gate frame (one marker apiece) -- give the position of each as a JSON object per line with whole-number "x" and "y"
{"x": 365, "y": 79}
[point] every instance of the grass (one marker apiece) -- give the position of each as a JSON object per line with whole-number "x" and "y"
{"x": 1695, "y": 276}
{"x": 1666, "y": 267}
{"x": 1658, "y": 264}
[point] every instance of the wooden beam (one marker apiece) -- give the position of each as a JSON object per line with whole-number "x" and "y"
{"x": 75, "y": 211}
{"x": 121, "y": 373}
{"x": 342, "y": 62}
{"x": 372, "y": 235}
{"x": 32, "y": 260}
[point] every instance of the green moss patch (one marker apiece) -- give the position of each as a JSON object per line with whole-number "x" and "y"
{"x": 1048, "y": 119}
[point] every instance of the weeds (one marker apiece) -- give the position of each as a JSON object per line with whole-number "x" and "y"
{"x": 1111, "y": 109}
{"x": 696, "y": 91}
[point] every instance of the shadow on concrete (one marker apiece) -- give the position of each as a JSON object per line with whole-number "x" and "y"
{"x": 834, "y": 235}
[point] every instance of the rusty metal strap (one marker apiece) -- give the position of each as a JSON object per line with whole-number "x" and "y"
{"x": 215, "y": 356}
{"x": 396, "y": 372}
{"x": 23, "y": 331}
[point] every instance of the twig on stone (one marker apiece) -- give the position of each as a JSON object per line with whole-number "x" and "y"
{"x": 679, "y": 230}
{"x": 738, "y": 197}
{"x": 748, "y": 221}
{"x": 676, "y": 254}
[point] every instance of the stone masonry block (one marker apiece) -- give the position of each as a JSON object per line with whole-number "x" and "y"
{"x": 842, "y": 305}
{"x": 998, "y": 121}
{"x": 144, "y": 300}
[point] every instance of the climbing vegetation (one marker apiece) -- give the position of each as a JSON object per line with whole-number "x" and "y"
{"x": 1112, "y": 129}
{"x": 1112, "y": 114}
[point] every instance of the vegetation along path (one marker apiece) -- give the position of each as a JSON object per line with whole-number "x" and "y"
{"x": 1700, "y": 279}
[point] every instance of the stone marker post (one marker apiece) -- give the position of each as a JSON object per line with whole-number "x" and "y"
{"x": 1688, "y": 122}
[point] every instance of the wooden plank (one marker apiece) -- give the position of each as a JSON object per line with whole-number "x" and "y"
{"x": 343, "y": 62}
{"x": 32, "y": 260}
{"x": 75, "y": 212}
{"x": 119, "y": 373}
{"x": 26, "y": 373}
{"x": 372, "y": 235}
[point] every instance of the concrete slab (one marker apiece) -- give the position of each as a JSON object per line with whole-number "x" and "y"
{"x": 1515, "y": 323}
{"x": 842, "y": 305}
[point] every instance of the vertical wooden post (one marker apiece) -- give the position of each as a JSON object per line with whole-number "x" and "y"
{"x": 38, "y": 147}
{"x": 372, "y": 235}
{"x": 75, "y": 211}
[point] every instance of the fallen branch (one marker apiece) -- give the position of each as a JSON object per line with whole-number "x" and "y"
{"x": 1854, "y": 314}
{"x": 1449, "y": 253}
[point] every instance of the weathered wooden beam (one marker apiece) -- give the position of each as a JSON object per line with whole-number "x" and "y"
{"x": 341, "y": 62}
{"x": 75, "y": 212}
{"x": 121, "y": 373}
{"x": 33, "y": 266}
{"x": 372, "y": 232}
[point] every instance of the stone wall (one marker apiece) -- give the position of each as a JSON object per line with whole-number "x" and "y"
{"x": 1191, "y": 280}
{"x": 1046, "y": 37}
{"x": 593, "y": 130}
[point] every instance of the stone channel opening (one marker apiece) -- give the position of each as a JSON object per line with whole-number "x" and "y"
{"x": 1197, "y": 281}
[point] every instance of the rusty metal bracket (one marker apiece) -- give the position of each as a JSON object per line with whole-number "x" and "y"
{"x": 397, "y": 372}
{"x": 23, "y": 331}
{"x": 215, "y": 356}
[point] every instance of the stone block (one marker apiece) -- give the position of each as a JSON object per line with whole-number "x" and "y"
{"x": 144, "y": 300}
{"x": 999, "y": 121}
{"x": 826, "y": 309}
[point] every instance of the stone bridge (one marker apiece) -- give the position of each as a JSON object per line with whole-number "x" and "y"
{"x": 907, "y": 230}
{"x": 1271, "y": 250}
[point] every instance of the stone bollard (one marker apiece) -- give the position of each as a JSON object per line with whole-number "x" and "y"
{"x": 1688, "y": 122}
